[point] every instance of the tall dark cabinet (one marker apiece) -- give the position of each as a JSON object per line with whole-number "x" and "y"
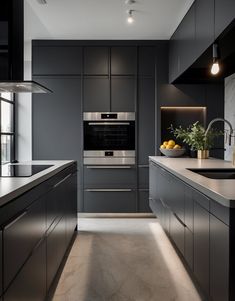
{"x": 95, "y": 76}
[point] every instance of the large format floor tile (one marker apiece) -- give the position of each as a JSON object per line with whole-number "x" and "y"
{"x": 116, "y": 259}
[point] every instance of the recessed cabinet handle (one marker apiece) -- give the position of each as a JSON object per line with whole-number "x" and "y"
{"x": 179, "y": 220}
{"x": 108, "y": 167}
{"x": 64, "y": 179}
{"x": 15, "y": 220}
{"x": 108, "y": 190}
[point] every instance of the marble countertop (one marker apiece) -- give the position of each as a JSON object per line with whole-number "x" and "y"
{"x": 222, "y": 191}
{"x": 11, "y": 188}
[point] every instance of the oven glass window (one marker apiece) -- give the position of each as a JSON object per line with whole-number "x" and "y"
{"x": 109, "y": 135}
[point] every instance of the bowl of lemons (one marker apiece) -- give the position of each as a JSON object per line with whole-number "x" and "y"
{"x": 171, "y": 149}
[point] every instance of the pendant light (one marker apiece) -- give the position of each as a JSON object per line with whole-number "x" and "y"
{"x": 215, "y": 68}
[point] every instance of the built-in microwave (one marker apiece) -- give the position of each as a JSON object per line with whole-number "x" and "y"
{"x": 109, "y": 138}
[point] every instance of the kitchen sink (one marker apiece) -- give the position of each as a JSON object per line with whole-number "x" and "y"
{"x": 215, "y": 173}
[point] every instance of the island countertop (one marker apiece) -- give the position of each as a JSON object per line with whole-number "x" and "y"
{"x": 222, "y": 191}
{"x": 12, "y": 187}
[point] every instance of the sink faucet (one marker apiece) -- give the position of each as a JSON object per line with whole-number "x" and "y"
{"x": 225, "y": 121}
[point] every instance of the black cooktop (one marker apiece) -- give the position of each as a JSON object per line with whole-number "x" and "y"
{"x": 21, "y": 170}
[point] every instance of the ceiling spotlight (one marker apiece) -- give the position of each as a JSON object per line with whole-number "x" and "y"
{"x": 129, "y": 2}
{"x": 130, "y": 18}
{"x": 215, "y": 68}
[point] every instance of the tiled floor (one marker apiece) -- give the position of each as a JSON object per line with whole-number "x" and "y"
{"x": 116, "y": 259}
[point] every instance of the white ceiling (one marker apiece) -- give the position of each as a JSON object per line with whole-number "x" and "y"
{"x": 102, "y": 19}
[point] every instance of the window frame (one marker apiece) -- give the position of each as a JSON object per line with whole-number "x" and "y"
{"x": 12, "y": 134}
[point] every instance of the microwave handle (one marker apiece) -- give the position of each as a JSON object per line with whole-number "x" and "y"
{"x": 108, "y": 123}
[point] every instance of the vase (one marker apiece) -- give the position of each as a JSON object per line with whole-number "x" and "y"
{"x": 203, "y": 154}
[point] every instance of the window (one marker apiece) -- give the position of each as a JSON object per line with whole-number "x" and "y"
{"x": 7, "y": 137}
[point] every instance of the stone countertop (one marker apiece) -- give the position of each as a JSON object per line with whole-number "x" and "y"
{"x": 12, "y": 187}
{"x": 222, "y": 191}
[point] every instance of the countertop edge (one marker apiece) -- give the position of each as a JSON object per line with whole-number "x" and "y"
{"x": 37, "y": 180}
{"x": 208, "y": 192}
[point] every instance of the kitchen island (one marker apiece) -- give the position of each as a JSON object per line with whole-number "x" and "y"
{"x": 38, "y": 219}
{"x": 197, "y": 213}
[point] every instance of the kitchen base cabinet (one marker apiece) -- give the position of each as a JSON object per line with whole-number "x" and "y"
{"x": 1, "y": 265}
{"x": 143, "y": 201}
{"x": 110, "y": 201}
{"x": 188, "y": 247}
{"x": 30, "y": 283}
{"x": 219, "y": 260}
{"x": 201, "y": 247}
{"x": 177, "y": 232}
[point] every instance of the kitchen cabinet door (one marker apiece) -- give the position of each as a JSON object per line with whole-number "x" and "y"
{"x": 96, "y": 60}
{"x": 146, "y": 61}
{"x": 177, "y": 231}
{"x": 57, "y": 60}
{"x": 174, "y": 59}
{"x": 146, "y": 119}
{"x": 219, "y": 260}
{"x": 201, "y": 247}
{"x": 204, "y": 25}
{"x": 123, "y": 94}
{"x": 188, "y": 247}
{"x": 224, "y": 15}
{"x": 188, "y": 205}
{"x": 1, "y": 246}
{"x": 123, "y": 60}
{"x": 30, "y": 283}
{"x": 143, "y": 177}
{"x": 96, "y": 96}
{"x": 154, "y": 184}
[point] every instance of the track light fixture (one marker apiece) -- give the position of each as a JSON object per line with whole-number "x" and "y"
{"x": 129, "y": 2}
{"x": 215, "y": 68}
{"x": 42, "y": 1}
{"x": 130, "y": 18}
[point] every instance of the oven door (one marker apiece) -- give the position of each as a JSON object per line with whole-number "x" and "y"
{"x": 109, "y": 135}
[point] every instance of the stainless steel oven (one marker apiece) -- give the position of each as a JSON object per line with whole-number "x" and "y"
{"x": 109, "y": 138}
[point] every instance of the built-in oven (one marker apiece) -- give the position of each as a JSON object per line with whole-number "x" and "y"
{"x": 109, "y": 138}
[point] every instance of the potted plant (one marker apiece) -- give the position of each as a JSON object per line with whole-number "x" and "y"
{"x": 195, "y": 137}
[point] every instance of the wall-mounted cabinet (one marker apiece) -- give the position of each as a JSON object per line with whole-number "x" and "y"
{"x": 123, "y": 60}
{"x": 224, "y": 15}
{"x": 96, "y": 60}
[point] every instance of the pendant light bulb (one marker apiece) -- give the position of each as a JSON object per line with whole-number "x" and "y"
{"x": 215, "y": 68}
{"x": 130, "y": 18}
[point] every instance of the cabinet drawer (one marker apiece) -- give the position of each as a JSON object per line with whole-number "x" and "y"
{"x": 143, "y": 177}
{"x": 57, "y": 60}
{"x": 20, "y": 236}
{"x": 30, "y": 283}
{"x": 143, "y": 201}
{"x": 177, "y": 232}
{"x": 56, "y": 247}
{"x": 201, "y": 199}
{"x": 113, "y": 201}
{"x": 109, "y": 177}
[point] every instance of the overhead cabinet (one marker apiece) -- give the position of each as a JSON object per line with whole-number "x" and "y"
{"x": 96, "y": 60}
{"x": 123, "y": 60}
{"x": 224, "y": 15}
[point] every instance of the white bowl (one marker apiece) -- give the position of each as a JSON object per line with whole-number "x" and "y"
{"x": 172, "y": 152}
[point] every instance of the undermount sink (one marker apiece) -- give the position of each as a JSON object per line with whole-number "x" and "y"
{"x": 215, "y": 173}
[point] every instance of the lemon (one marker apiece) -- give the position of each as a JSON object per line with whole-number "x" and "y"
{"x": 162, "y": 146}
{"x": 169, "y": 146}
{"x": 165, "y": 143}
{"x": 171, "y": 142}
{"x": 177, "y": 146}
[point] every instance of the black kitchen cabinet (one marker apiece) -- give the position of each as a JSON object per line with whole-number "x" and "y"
{"x": 224, "y": 15}
{"x": 123, "y": 94}
{"x": 188, "y": 247}
{"x": 188, "y": 207}
{"x": 219, "y": 260}
{"x": 96, "y": 95}
{"x": 177, "y": 231}
{"x": 52, "y": 60}
{"x": 1, "y": 265}
{"x": 143, "y": 177}
{"x": 110, "y": 201}
{"x": 22, "y": 233}
{"x": 146, "y": 119}
{"x": 123, "y": 60}
{"x": 146, "y": 66}
{"x": 96, "y": 60}
{"x": 174, "y": 59}
{"x": 201, "y": 247}
{"x": 204, "y": 25}
{"x": 186, "y": 46}
{"x": 30, "y": 283}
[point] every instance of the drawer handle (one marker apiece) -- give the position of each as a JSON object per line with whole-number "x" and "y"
{"x": 179, "y": 220}
{"x": 108, "y": 166}
{"x": 143, "y": 166}
{"x": 64, "y": 179}
{"x": 15, "y": 220}
{"x": 109, "y": 123}
{"x": 108, "y": 190}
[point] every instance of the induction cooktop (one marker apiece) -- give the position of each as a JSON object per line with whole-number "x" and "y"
{"x": 21, "y": 170}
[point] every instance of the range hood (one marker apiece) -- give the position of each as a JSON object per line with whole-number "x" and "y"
{"x": 12, "y": 50}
